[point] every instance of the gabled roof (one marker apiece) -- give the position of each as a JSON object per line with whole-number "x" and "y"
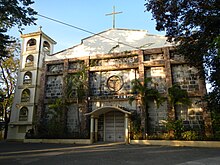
{"x": 112, "y": 41}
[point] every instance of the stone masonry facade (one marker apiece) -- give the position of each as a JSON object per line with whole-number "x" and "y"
{"x": 103, "y": 71}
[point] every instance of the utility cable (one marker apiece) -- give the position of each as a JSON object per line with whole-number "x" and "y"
{"x": 87, "y": 31}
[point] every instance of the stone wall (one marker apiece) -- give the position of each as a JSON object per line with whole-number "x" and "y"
{"x": 54, "y": 87}
{"x": 187, "y": 77}
{"x": 72, "y": 119}
{"x": 157, "y": 116}
{"x": 157, "y": 76}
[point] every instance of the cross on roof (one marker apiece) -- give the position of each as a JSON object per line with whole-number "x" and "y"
{"x": 113, "y": 15}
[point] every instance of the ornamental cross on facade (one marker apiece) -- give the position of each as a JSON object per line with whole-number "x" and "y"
{"x": 113, "y": 16}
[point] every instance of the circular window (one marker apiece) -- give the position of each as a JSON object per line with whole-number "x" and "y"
{"x": 114, "y": 83}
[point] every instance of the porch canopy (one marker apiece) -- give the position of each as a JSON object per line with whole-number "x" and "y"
{"x": 110, "y": 133}
{"x": 106, "y": 109}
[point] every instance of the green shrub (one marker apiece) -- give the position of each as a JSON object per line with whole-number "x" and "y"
{"x": 160, "y": 136}
{"x": 175, "y": 128}
{"x": 190, "y": 135}
{"x": 136, "y": 131}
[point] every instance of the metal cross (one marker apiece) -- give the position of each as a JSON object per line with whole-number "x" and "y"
{"x": 113, "y": 14}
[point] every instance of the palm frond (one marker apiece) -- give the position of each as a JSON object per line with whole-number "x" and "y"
{"x": 131, "y": 99}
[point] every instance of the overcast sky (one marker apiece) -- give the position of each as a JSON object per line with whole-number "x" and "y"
{"x": 89, "y": 15}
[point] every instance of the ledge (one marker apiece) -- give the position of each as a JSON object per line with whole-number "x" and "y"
{"x": 63, "y": 141}
{"x": 12, "y": 124}
{"x": 208, "y": 144}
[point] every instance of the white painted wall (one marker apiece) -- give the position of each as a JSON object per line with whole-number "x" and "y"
{"x": 103, "y": 43}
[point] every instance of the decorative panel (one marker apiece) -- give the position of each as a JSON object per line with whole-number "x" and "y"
{"x": 55, "y": 68}
{"x": 152, "y": 57}
{"x": 111, "y": 82}
{"x": 115, "y": 61}
{"x": 76, "y": 65}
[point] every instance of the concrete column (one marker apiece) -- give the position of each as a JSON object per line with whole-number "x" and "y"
{"x": 96, "y": 129}
{"x": 141, "y": 66}
{"x": 168, "y": 72}
{"x": 92, "y": 129}
{"x": 126, "y": 129}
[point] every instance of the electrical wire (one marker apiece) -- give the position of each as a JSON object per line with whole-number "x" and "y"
{"x": 87, "y": 31}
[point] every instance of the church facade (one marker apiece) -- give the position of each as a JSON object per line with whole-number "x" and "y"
{"x": 108, "y": 61}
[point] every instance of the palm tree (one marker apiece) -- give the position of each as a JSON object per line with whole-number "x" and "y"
{"x": 77, "y": 88}
{"x": 177, "y": 96}
{"x": 145, "y": 94}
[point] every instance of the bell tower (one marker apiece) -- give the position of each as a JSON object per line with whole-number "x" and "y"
{"x": 35, "y": 47}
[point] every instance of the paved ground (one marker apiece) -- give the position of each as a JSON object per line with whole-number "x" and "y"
{"x": 105, "y": 154}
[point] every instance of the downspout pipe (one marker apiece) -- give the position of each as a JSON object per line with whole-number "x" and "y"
{"x": 37, "y": 73}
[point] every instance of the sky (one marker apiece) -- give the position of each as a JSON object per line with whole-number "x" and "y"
{"x": 89, "y": 15}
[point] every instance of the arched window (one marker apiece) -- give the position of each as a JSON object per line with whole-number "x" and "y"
{"x": 29, "y": 60}
{"x": 192, "y": 115}
{"x": 31, "y": 44}
{"x": 23, "y": 114}
{"x": 25, "y": 95}
{"x": 46, "y": 46}
{"x": 27, "y": 78}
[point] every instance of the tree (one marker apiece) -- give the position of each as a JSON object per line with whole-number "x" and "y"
{"x": 145, "y": 94}
{"x": 2, "y": 123}
{"x": 195, "y": 26}
{"x": 4, "y": 41}
{"x": 57, "y": 119}
{"x": 13, "y": 12}
{"x": 213, "y": 100}
{"x": 8, "y": 76}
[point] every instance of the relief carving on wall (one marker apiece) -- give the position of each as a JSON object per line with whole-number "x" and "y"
{"x": 114, "y": 83}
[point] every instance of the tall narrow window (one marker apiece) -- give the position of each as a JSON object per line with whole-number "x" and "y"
{"x": 25, "y": 96}
{"x": 29, "y": 60}
{"x": 27, "y": 78}
{"x": 23, "y": 114}
{"x": 46, "y": 46}
{"x": 31, "y": 44}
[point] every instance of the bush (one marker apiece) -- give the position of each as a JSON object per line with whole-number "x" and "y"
{"x": 190, "y": 135}
{"x": 216, "y": 125}
{"x": 136, "y": 131}
{"x": 160, "y": 136}
{"x": 175, "y": 128}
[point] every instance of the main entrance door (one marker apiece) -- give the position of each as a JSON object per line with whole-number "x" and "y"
{"x": 109, "y": 124}
{"x": 114, "y": 126}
